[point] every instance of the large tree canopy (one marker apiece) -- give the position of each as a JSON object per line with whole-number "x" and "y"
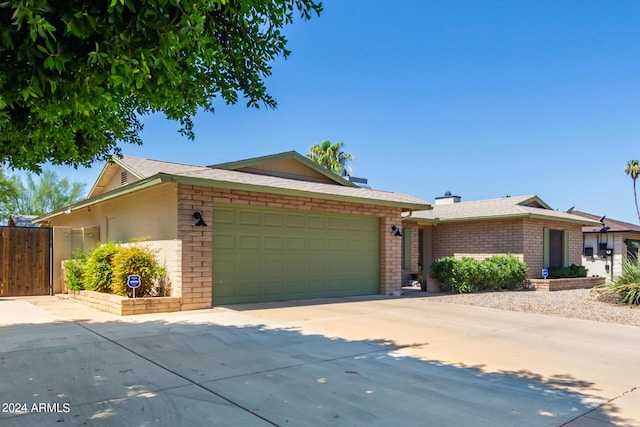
{"x": 76, "y": 75}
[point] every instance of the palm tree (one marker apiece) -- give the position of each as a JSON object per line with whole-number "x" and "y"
{"x": 633, "y": 169}
{"x": 331, "y": 156}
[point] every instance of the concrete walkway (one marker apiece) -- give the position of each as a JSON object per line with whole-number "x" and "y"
{"x": 354, "y": 361}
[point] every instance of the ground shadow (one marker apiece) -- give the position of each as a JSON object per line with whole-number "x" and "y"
{"x": 218, "y": 372}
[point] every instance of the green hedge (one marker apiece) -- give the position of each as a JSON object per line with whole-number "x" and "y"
{"x": 470, "y": 275}
{"x": 137, "y": 260}
{"x": 98, "y": 272}
{"x": 567, "y": 272}
{"x": 74, "y": 271}
{"x": 106, "y": 268}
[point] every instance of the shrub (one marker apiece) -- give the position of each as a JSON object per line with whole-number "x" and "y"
{"x": 506, "y": 272}
{"x": 74, "y": 271}
{"x": 442, "y": 270}
{"x": 567, "y": 272}
{"x": 139, "y": 260}
{"x": 627, "y": 286}
{"x": 470, "y": 275}
{"x": 98, "y": 273}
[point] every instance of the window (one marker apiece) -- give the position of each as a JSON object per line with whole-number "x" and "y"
{"x": 632, "y": 249}
{"x": 406, "y": 249}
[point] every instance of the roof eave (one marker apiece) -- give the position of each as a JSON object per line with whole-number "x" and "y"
{"x": 581, "y": 221}
{"x": 498, "y": 217}
{"x": 138, "y": 185}
{"x": 207, "y": 182}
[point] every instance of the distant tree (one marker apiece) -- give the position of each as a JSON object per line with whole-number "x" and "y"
{"x": 30, "y": 196}
{"x": 75, "y": 76}
{"x": 331, "y": 156}
{"x": 8, "y": 193}
{"x": 633, "y": 170}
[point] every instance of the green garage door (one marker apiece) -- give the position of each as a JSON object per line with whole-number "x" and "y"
{"x": 282, "y": 254}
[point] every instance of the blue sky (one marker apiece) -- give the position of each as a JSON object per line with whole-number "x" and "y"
{"x": 480, "y": 98}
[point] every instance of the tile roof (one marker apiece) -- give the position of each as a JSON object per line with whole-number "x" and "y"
{"x": 613, "y": 224}
{"x": 506, "y": 207}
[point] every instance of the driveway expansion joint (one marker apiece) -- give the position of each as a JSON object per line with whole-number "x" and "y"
{"x": 226, "y": 399}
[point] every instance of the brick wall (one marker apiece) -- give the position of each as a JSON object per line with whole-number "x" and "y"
{"x": 519, "y": 237}
{"x": 565, "y": 284}
{"x": 197, "y": 241}
{"x": 534, "y": 243}
{"x": 478, "y": 239}
{"x": 123, "y": 306}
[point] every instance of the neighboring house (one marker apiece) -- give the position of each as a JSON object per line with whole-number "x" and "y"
{"x": 523, "y": 226}
{"x": 606, "y": 245}
{"x": 264, "y": 229}
{"x": 22, "y": 220}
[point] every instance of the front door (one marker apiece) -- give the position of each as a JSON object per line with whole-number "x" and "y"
{"x": 556, "y": 250}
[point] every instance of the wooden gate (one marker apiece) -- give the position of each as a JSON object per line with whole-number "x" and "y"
{"x": 25, "y": 260}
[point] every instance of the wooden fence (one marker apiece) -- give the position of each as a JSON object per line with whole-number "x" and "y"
{"x": 25, "y": 260}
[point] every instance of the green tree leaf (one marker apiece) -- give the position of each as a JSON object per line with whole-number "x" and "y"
{"x": 111, "y": 65}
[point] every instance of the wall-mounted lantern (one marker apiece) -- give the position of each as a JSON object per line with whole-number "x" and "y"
{"x": 197, "y": 215}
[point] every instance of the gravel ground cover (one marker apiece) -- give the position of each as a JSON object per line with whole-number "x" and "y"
{"x": 588, "y": 304}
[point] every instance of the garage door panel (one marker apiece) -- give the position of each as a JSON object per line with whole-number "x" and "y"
{"x": 224, "y": 216}
{"x": 317, "y": 222}
{"x": 279, "y": 254}
{"x": 274, "y": 219}
{"x": 316, "y": 287}
{"x": 224, "y": 241}
{"x": 335, "y": 244}
{"x": 248, "y": 217}
{"x": 274, "y": 288}
{"x": 295, "y": 267}
{"x": 249, "y": 242}
{"x": 316, "y": 244}
{"x": 296, "y": 220}
{"x": 273, "y": 243}
{"x": 249, "y": 289}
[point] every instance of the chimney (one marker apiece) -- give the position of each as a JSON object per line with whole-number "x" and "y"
{"x": 447, "y": 199}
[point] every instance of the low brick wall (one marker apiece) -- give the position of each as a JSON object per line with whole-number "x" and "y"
{"x": 564, "y": 284}
{"x": 123, "y": 306}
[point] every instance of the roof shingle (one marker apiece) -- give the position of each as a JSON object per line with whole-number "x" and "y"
{"x": 506, "y": 207}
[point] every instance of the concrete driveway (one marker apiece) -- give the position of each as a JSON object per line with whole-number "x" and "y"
{"x": 353, "y": 361}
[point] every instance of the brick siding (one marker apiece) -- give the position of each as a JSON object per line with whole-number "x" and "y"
{"x": 565, "y": 284}
{"x": 197, "y": 241}
{"x": 522, "y": 238}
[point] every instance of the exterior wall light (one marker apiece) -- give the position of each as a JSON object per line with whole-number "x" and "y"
{"x": 197, "y": 215}
{"x": 396, "y": 231}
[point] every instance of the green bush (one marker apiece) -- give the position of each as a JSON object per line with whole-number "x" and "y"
{"x": 98, "y": 273}
{"x": 470, "y": 275}
{"x": 74, "y": 271}
{"x": 627, "y": 286}
{"x": 139, "y": 260}
{"x": 567, "y": 272}
{"x": 506, "y": 272}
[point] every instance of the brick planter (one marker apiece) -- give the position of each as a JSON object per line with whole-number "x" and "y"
{"x": 564, "y": 284}
{"x": 123, "y": 306}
